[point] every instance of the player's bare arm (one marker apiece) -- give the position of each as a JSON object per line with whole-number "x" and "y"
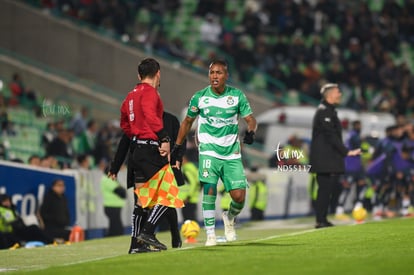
{"x": 251, "y": 123}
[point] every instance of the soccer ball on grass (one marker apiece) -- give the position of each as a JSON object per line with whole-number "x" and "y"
{"x": 359, "y": 214}
{"x": 190, "y": 229}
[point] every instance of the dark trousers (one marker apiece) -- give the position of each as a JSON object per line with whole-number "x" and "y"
{"x": 256, "y": 214}
{"x": 8, "y": 240}
{"x": 189, "y": 212}
{"x": 32, "y": 233}
{"x": 115, "y": 223}
{"x": 57, "y": 232}
{"x": 146, "y": 162}
{"x": 327, "y": 186}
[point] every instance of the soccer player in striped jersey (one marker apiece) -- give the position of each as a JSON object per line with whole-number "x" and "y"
{"x": 218, "y": 107}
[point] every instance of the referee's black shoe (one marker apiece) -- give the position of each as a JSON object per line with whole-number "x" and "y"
{"x": 151, "y": 240}
{"x": 143, "y": 248}
{"x": 323, "y": 224}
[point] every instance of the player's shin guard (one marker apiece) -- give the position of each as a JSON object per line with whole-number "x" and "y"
{"x": 235, "y": 209}
{"x": 209, "y": 206}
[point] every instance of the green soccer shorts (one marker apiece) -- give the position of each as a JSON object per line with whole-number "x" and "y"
{"x": 231, "y": 172}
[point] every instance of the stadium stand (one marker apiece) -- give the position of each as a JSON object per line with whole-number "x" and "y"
{"x": 25, "y": 113}
{"x": 290, "y": 46}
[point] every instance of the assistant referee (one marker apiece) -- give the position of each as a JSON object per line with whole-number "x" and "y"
{"x": 142, "y": 121}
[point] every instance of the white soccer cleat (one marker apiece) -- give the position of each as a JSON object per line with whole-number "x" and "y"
{"x": 229, "y": 231}
{"x": 211, "y": 240}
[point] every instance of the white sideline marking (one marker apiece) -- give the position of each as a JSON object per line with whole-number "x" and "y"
{"x": 91, "y": 260}
{"x": 174, "y": 250}
{"x": 284, "y": 235}
{"x": 170, "y": 251}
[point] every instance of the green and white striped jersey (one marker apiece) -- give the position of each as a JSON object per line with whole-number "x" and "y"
{"x": 218, "y": 126}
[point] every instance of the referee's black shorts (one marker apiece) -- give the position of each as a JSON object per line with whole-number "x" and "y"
{"x": 146, "y": 161}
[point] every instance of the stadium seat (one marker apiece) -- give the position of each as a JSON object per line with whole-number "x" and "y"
{"x": 258, "y": 81}
{"x": 143, "y": 16}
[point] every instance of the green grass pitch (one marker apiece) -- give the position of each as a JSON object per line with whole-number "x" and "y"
{"x": 385, "y": 247}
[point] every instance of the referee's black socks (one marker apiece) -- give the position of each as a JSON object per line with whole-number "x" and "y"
{"x": 138, "y": 219}
{"x": 153, "y": 219}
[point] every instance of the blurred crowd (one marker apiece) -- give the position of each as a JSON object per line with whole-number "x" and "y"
{"x": 381, "y": 179}
{"x": 71, "y": 140}
{"x": 81, "y": 142}
{"x": 294, "y": 44}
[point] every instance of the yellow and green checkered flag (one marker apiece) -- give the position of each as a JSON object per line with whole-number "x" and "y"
{"x": 160, "y": 189}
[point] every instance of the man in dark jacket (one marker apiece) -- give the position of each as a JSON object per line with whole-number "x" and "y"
{"x": 55, "y": 211}
{"x": 327, "y": 150}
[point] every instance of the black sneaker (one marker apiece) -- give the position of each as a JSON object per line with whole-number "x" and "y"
{"x": 144, "y": 248}
{"x": 323, "y": 224}
{"x": 151, "y": 240}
